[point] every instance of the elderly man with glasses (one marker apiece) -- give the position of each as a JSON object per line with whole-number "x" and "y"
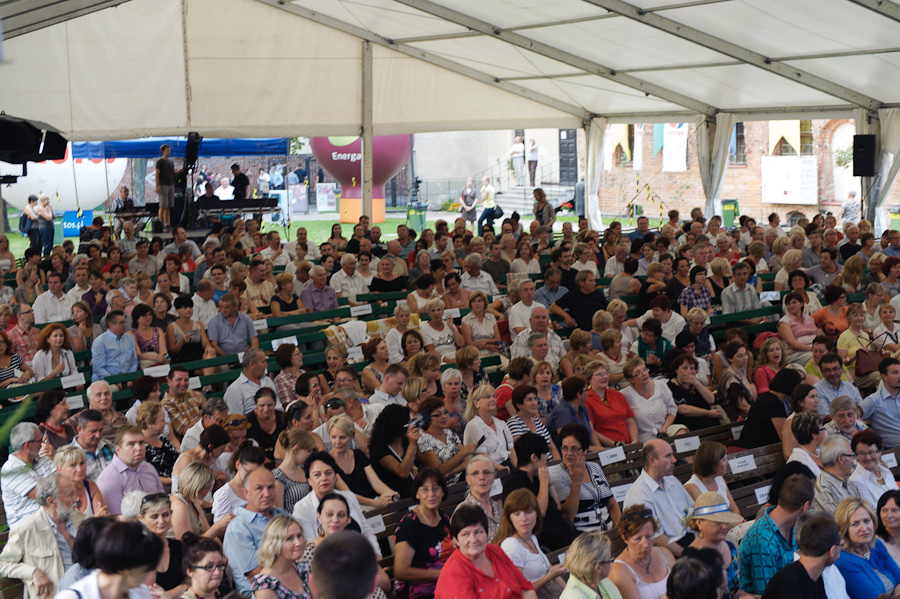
{"x": 833, "y": 485}
{"x": 26, "y": 466}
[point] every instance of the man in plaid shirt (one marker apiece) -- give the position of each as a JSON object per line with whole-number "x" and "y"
{"x": 183, "y": 405}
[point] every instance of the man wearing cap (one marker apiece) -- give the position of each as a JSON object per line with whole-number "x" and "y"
{"x": 241, "y": 183}
{"x": 657, "y": 489}
{"x": 212, "y": 413}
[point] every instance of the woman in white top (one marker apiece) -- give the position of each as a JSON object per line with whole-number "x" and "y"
{"x": 651, "y": 401}
{"x": 584, "y": 260}
{"x": 871, "y": 476}
{"x": 394, "y": 337}
{"x": 525, "y": 262}
{"x": 808, "y": 431}
{"x": 441, "y": 336}
{"x": 710, "y": 466}
{"x": 54, "y": 358}
{"x": 480, "y": 414}
{"x": 521, "y": 515}
{"x": 887, "y": 335}
{"x": 641, "y": 571}
{"x": 479, "y": 327}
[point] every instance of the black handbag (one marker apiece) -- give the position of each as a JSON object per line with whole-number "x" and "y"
{"x": 498, "y": 211}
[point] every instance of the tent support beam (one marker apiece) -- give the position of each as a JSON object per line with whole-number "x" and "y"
{"x": 885, "y": 8}
{"x": 428, "y": 57}
{"x": 366, "y": 129}
{"x": 20, "y": 18}
{"x": 568, "y": 58}
{"x": 727, "y": 48}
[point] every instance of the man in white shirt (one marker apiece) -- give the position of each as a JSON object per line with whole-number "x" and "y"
{"x": 224, "y": 191}
{"x": 240, "y": 395}
{"x": 143, "y": 262}
{"x": 391, "y": 384}
{"x": 80, "y": 276}
{"x": 538, "y": 322}
{"x": 347, "y": 282}
{"x": 517, "y": 154}
{"x": 22, "y": 471}
{"x": 476, "y": 280}
{"x": 312, "y": 250}
{"x": 53, "y": 305}
{"x": 664, "y": 496}
{"x": 274, "y": 252}
{"x": 204, "y": 306}
{"x": 521, "y": 310}
{"x": 616, "y": 265}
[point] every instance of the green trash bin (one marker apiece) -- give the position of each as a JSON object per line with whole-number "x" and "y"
{"x": 415, "y": 216}
{"x": 58, "y": 233}
{"x": 895, "y": 218}
{"x": 730, "y": 212}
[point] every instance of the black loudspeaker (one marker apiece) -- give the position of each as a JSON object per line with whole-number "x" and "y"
{"x": 863, "y": 155}
{"x": 191, "y": 149}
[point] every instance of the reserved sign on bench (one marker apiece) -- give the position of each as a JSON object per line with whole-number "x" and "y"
{"x": 742, "y": 464}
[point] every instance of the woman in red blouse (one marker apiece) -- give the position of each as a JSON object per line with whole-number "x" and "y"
{"x": 612, "y": 417}
{"x": 478, "y": 570}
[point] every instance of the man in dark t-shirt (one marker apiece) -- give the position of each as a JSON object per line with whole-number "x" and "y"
{"x": 532, "y": 453}
{"x": 241, "y": 183}
{"x": 578, "y": 306}
{"x": 165, "y": 185}
{"x": 820, "y": 546}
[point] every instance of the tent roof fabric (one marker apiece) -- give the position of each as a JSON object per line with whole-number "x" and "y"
{"x": 248, "y": 68}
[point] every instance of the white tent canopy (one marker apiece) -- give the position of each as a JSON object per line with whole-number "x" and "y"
{"x": 112, "y": 69}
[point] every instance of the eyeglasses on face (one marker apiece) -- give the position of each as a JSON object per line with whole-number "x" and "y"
{"x": 871, "y": 453}
{"x": 221, "y": 566}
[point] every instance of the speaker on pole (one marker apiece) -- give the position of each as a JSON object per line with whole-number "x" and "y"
{"x": 863, "y": 155}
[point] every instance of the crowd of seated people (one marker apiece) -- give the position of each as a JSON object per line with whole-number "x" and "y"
{"x": 240, "y": 479}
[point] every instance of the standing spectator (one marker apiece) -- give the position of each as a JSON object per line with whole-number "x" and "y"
{"x": 165, "y": 185}
{"x": 45, "y": 223}
{"x": 128, "y": 471}
{"x": 34, "y": 234}
{"x": 240, "y": 182}
{"x": 517, "y": 158}
{"x": 23, "y": 470}
{"x": 531, "y": 154}
{"x": 468, "y": 199}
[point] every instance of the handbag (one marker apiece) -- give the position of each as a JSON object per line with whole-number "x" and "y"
{"x": 498, "y": 211}
{"x": 867, "y": 360}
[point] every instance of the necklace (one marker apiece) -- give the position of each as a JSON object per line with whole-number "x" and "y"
{"x": 649, "y": 561}
{"x": 425, "y": 520}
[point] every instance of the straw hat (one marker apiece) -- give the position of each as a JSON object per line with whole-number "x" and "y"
{"x": 714, "y": 507}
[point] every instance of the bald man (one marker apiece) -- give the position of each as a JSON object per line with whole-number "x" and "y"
{"x": 663, "y": 495}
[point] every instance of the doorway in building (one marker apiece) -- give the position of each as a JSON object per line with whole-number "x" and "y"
{"x": 568, "y": 157}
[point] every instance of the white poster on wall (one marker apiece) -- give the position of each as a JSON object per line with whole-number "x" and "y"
{"x": 675, "y": 137}
{"x": 790, "y": 180}
{"x": 325, "y": 197}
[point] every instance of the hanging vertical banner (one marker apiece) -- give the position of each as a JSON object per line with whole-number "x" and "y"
{"x": 637, "y": 161}
{"x": 616, "y": 136}
{"x": 789, "y": 130}
{"x": 675, "y": 147}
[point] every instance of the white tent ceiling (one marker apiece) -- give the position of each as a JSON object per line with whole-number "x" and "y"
{"x": 128, "y": 68}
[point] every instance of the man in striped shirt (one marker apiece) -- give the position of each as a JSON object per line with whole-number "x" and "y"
{"x": 739, "y": 296}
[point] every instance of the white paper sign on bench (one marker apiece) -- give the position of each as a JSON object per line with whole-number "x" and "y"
{"x": 742, "y": 464}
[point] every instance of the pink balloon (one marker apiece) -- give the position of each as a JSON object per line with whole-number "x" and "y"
{"x": 343, "y": 161}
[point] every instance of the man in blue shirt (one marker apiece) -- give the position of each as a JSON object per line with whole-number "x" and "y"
{"x": 893, "y": 250}
{"x": 643, "y": 227}
{"x": 114, "y": 352}
{"x": 573, "y": 411}
{"x": 883, "y": 406}
{"x": 231, "y": 331}
{"x": 552, "y": 289}
{"x": 832, "y": 385}
{"x": 245, "y": 532}
{"x": 769, "y": 544}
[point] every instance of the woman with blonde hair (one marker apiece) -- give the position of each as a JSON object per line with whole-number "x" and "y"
{"x": 887, "y": 334}
{"x": 413, "y": 393}
{"x": 71, "y": 464}
{"x": 284, "y": 302}
{"x": 641, "y": 570}
{"x": 394, "y": 337}
{"x": 161, "y": 453}
{"x": 481, "y": 409}
{"x": 517, "y": 536}
{"x": 852, "y": 274}
{"x": 614, "y": 357}
{"x": 771, "y": 359}
{"x": 354, "y": 467}
{"x": 194, "y": 485}
{"x": 791, "y": 261}
{"x": 725, "y": 248}
{"x": 619, "y": 312}
{"x": 865, "y": 563}
{"x": 282, "y": 574}
{"x": 718, "y": 280}
{"x": 28, "y": 290}
{"x": 853, "y": 339}
{"x": 876, "y": 264}
{"x": 600, "y": 322}
{"x": 779, "y": 247}
{"x": 875, "y": 296}
{"x": 479, "y": 327}
{"x": 441, "y": 336}
{"x": 580, "y": 341}
{"x": 588, "y": 561}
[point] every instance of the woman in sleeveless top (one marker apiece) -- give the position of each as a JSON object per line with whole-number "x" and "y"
{"x": 186, "y": 338}
{"x": 710, "y": 466}
{"x": 195, "y": 484}
{"x": 641, "y": 570}
{"x": 71, "y": 463}
{"x": 290, "y": 481}
{"x": 151, "y": 343}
